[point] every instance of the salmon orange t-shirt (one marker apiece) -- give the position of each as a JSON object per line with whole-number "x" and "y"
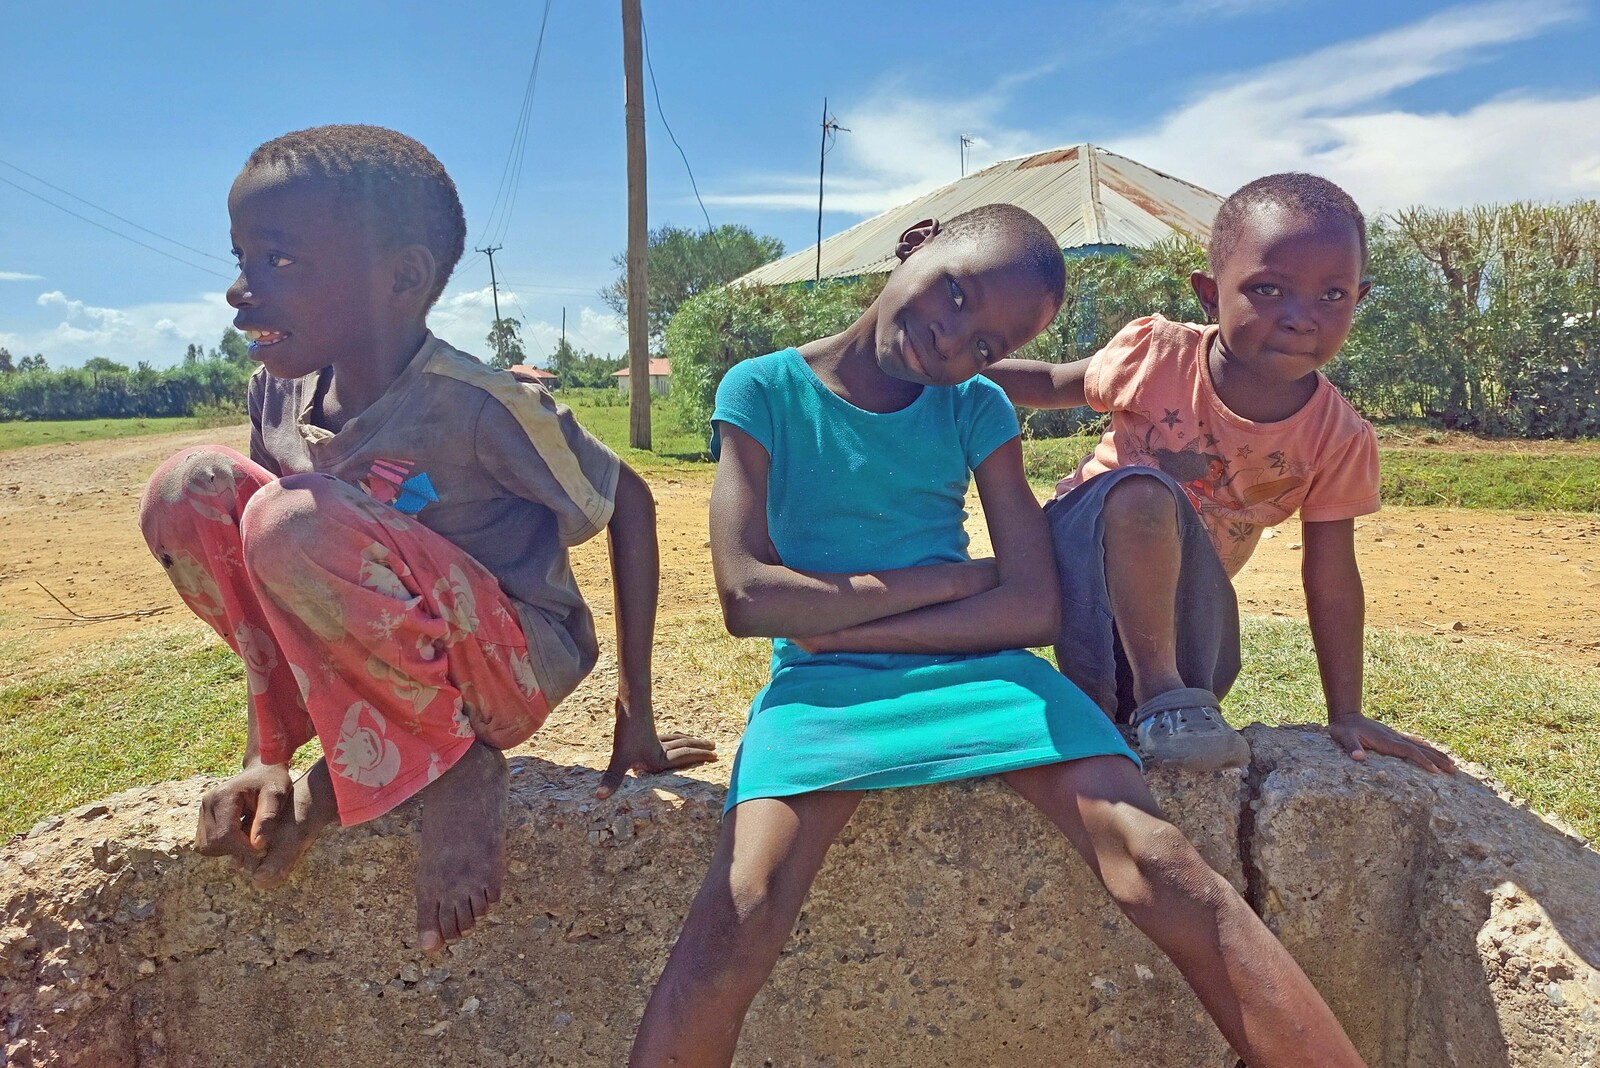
{"x": 1241, "y": 476}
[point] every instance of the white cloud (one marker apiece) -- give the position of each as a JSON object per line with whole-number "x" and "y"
{"x": 156, "y": 333}
{"x": 1328, "y": 112}
{"x": 19, "y": 276}
{"x": 899, "y": 146}
{"x": 463, "y": 319}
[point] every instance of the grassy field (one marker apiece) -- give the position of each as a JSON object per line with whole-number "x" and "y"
{"x": 140, "y": 710}
{"x": 162, "y": 706}
{"x": 17, "y": 435}
{"x": 1543, "y": 478}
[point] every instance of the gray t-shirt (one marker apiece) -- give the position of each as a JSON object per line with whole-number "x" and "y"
{"x": 487, "y": 460}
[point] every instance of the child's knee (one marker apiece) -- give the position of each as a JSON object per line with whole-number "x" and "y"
{"x": 1143, "y": 501}
{"x": 196, "y": 485}
{"x": 1159, "y": 866}
{"x": 285, "y": 523}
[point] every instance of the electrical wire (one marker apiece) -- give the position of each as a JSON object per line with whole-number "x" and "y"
{"x": 118, "y": 233}
{"x": 511, "y": 174}
{"x": 662, "y": 115}
{"x": 114, "y": 215}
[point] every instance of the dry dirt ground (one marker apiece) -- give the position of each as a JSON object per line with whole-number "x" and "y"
{"x": 68, "y": 522}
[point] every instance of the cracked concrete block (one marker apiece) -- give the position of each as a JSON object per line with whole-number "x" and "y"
{"x": 1432, "y": 911}
{"x": 949, "y": 926}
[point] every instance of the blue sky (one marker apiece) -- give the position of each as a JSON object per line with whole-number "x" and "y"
{"x": 150, "y": 116}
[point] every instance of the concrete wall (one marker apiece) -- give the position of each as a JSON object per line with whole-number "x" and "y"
{"x": 950, "y": 926}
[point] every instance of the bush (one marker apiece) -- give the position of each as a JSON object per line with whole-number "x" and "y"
{"x": 1484, "y": 319}
{"x": 105, "y": 390}
{"x": 715, "y": 330}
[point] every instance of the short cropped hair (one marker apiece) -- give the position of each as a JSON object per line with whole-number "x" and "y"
{"x": 1035, "y": 245}
{"x": 401, "y": 187}
{"x": 1308, "y": 195}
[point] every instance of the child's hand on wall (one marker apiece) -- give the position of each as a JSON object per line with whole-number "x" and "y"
{"x": 636, "y": 747}
{"x": 1356, "y": 734}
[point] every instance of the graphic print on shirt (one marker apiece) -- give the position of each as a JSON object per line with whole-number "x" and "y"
{"x": 391, "y": 482}
{"x": 1245, "y": 496}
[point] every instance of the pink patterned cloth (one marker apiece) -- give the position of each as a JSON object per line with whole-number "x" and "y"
{"x": 355, "y": 623}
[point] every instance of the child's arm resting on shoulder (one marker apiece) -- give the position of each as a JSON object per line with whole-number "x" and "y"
{"x": 636, "y": 578}
{"x": 763, "y": 598}
{"x": 1336, "y": 608}
{"x": 1022, "y": 611}
{"x": 1036, "y": 384}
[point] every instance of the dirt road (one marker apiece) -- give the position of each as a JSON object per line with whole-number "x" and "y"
{"x": 67, "y": 522}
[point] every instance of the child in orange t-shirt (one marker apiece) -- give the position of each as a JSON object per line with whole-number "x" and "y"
{"x": 1218, "y": 432}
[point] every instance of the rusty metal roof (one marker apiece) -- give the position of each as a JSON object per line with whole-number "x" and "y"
{"x": 1084, "y": 194}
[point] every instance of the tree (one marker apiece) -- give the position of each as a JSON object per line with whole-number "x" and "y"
{"x": 194, "y": 353}
{"x": 36, "y": 362}
{"x": 6, "y": 366}
{"x": 235, "y": 347}
{"x": 682, "y": 263}
{"x": 505, "y": 338}
{"x": 564, "y": 364}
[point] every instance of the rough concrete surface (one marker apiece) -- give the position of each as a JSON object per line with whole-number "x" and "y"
{"x": 950, "y": 926}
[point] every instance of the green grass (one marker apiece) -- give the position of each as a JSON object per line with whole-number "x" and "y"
{"x": 155, "y": 706}
{"x": 18, "y": 435}
{"x": 1566, "y": 480}
{"x": 1563, "y": 482}
{"x": 604, "y": 413}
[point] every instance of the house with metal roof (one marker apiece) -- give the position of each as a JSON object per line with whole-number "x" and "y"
{"x": 1092, "y": 200}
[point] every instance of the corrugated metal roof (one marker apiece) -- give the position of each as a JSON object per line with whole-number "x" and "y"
{"x": 1082, "y": 193}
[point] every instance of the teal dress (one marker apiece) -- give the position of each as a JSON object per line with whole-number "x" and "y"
{"x": 852, "y": 491}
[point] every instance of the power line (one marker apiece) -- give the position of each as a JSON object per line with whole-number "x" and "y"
{"x": 114, "y": 215}
{"x": 511, "y": 173}
{"x": 662, "y": 115}
{"x": 118, "y": 233}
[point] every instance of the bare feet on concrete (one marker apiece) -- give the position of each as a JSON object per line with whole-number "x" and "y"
{"x": 460, "y": 867}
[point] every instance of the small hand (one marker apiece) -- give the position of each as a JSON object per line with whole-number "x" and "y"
{"x": 815, "y": 643}
{"x": 1356, "y": 734}
{"x": 255, "y": 799}
{"x": 636, "y": 747}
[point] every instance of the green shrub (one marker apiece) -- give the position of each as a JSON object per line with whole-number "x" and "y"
{"x": 715, "y": 330}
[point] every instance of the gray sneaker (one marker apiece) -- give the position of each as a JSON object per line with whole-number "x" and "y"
{"x": 1185, "y": 727}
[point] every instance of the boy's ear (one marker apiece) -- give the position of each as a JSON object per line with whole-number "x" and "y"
{"x": 1205, "y": 290}
{"x": 414, "y": 270}
{"x": 1363, "y": 290}
{"x": 915, "y": 237}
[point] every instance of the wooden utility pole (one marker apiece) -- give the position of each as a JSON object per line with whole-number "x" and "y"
{"x": 494, "y": 286}
{"x": 829, "y": 126}
{"x": 638, "y": 231}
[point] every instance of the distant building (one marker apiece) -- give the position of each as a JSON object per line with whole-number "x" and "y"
{"x": 660, "y": 376}
{"x": 547, "y": 379}
{"x": 1091, "y": 200}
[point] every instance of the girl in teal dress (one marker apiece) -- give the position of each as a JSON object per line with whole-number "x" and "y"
{"x": 836, "y": 530}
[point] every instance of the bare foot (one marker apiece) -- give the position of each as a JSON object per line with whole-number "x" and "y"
{"x": 287, "y": 837}
{"x": 459, "y": 868}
